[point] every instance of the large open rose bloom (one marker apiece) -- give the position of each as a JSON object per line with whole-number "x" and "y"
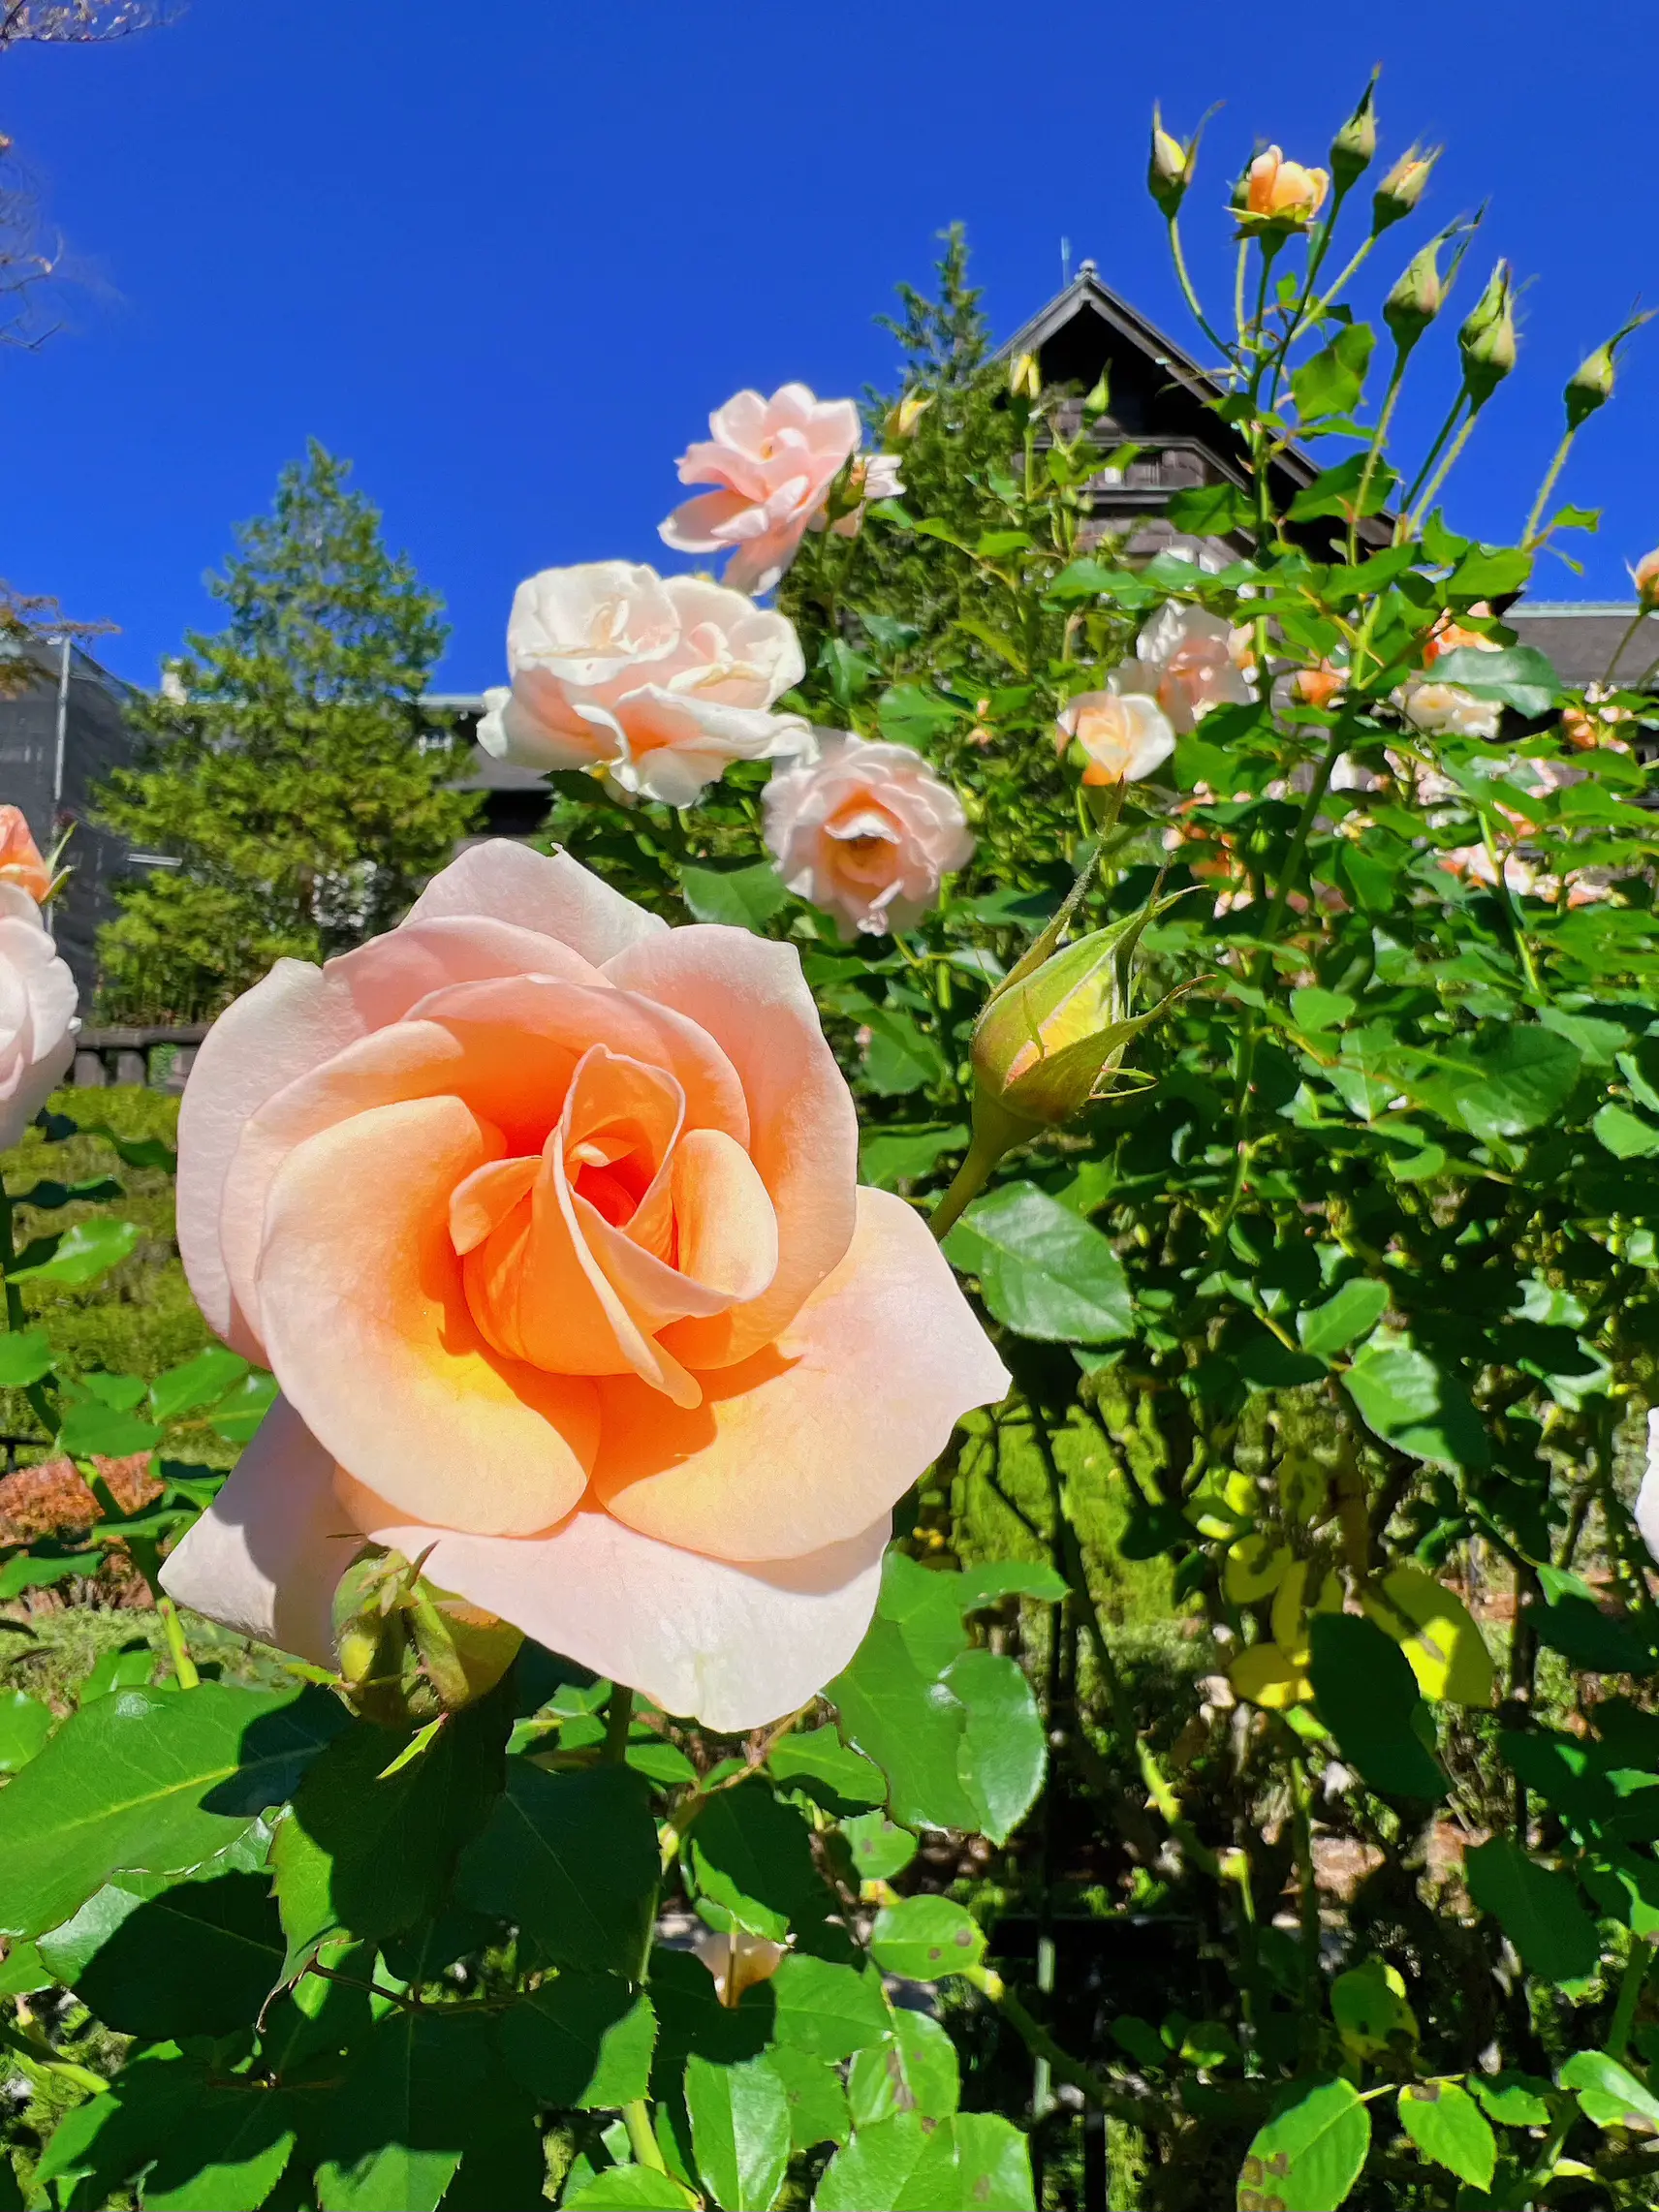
{"x": 773, "y": 462}
{"x": 662, "y": 682}
{"x": 868, "y": 832}
{"x": 37, "y": 1013}
{"x": 545, "y": 1218}
{"x": 1189, "y": 660}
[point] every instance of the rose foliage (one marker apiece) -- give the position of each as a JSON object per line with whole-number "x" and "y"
{"x": 1139, "y": 1075}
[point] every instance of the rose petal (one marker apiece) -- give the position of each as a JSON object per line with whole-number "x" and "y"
{"x": 265, "y": 1557}
{"x": 551, "y": 895}
{"x": 806, "y": 1442}
{"x": 749, "y": 995}
{"x": 372, "y": 1338}
{"x": 733, "y": 1646}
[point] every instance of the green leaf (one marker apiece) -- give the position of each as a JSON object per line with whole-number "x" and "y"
{"x": 1625, "y": 1135}
{"x": 24, "y": 1726}
{"x": 418, "y": 2094}
{"x": 1606, "y": 1643}
{"x": 911, "y": 1727}
{"x": 581, "y": 2042}
{"x": 913, "y": 2068}
{"x": 1332, "y": 380}
{"x": 825, "y": 2008}
{"x": 632, "y": 2189}
{"x": 25, "y": 1357}
{"x": 926, "y": 1604}
{"x": 83, "y": 1253}
{"x": 741, "y": 897}
{"x": 209, "y": 2146}
{"x": 1311, "y": 2155}
{"x": 366, "y": 1851}
{"x": 1448, "y": 2126}
{"x": 1518, "y": 1079}
{"x": 753, "y": 1855}
{"x": 1608, "y": 2093}
{"x": 1336, "y": 492}
{"x": 1210, "y": 509}
{"x": 1512, "y": 2098}
{"x": 1366, "y": 1695}
{"x": 1536, "y": 1906}
{"x": 869, "y": 2173}
{"x": 739, "y": 2130}
{"x": 132, "y": 1151}
{"x": 1005, "y": 1750}
{"x": 90, "y": 1428}
{"x": 1518, "y": 675}
{"x": 572, "y": 1859}
{"x": 148, "y": 1782}
{"x": 971, "y": 2161}
{"x": 914, "y": 714}
{"x": 813, "y": 2093}
{"x": 993, "y": 1580}
{"x": 879, "y": 1849}
{"x": 926, "y": 1939}
{"x": 901, "y": 1057}
{"x": 819, "y": 1762}
{"x": 238, "y": 1415}
{"x": 1409, "y": 1401}
{"x": 197, "y": 1959}
{"x": 1312, "y": 1009}
{"x": 890, "y": 1157}
{"x": 1044, "y": 1272}
{"x": 199, "y": 1382}
{"x": 1491, "y": 572}
{"x": 128, "y": 1668}
{"x": 1354, "y": 1312}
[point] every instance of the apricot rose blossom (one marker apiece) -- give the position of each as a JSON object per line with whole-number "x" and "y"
{"x": 38, "y": 1023}
{"x": 545, "y": 1218}
{"x": 658, "y": 682}
{"x": 869, "y": 834}
{"x": 1122, "y": 735}
{"x": 20, "y": 860}
{"x": 773, "y": 462}
{"x": 1189, "y": 660}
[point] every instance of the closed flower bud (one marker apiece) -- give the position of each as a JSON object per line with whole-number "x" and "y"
{"x": 1416, "y": 299}
{"x": 1647, "y": 578}
{"x": 902, "y": 418}
{"x": 1052, "y": 1036}
{"x": 1402, "y": 188}
{"x": 1589, "y": 386}
{"x": 409, "y": 1652}
{"x": 1487, "y": 340}
{"x": 1025, "y": 379}
{"x": 1355, "y": 145}
{"x": 1169, "y": 171}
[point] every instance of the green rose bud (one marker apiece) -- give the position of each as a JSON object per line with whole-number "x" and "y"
{"x": 1402, "y": 188}
{"x": 1355, "y": 145}
{"x": 410, "y": 1652}
{"x": 1487, "y": 340}
{"x": 1169, "y": 171}
{"x": 1416, "y": 299}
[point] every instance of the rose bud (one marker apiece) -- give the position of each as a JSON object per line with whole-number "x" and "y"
{"x": 1025, "y": 377}
{"x": 1487, "y": 340}
{"x": 1169, "y": 171}
{"x": 1355, "y": 145}
{"x": 409, "y": 1652}
{"x": 1645, "y": 575}
{"x": 1590, "y": 386}
{"x": 1279, "y": 195}
{"x": 1053, "y": 1034}
{"x": 1402, "y": 188}
{"x": 904, "y": 416}
{"x": 1416, "y": 299}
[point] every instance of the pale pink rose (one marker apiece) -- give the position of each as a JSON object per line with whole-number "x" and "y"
{"x": 660, "y": 682}
{"x": 20, "y": 860}
{"x": 1189, "y": 660}
{"x": 545, "y": 1219}
{"x": 738, "y": 1961}
{"x": 1449, "y": 711}
{"x": 1122, "y": 735}
{"x": 773, "y": 461}
{"x": 869, "y": 834}
{"x": 37, "y": 1013}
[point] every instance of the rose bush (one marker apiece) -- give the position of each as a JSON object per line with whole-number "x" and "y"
{"x": 545, "y": 1218}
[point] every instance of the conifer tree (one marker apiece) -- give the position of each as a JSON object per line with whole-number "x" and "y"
{"x": 287, "y": 765}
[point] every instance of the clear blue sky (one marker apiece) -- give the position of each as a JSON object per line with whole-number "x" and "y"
{"x": 505, "y": 256}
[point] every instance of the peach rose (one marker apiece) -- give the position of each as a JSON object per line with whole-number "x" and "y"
{"x": 773, "y": 461}
{"x": 545, "y": 1218}
{"x": 660, "y": 683}
{"x": 869, "y": 834}
{"x": 37, "y": 1013}
{"x": 1280, "y": 191}
{"x": 1646, "y": 578}
{"x": 1122, "y": 735}
{"x": 1189, "y": 660}
{"x": 20, "y": 860}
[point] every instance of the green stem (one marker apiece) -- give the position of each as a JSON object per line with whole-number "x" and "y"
{"x": 1420, "y": 511}
{"x": 636, "y": 2119}
{"x": 172, "y": 1627}
{"x": 970, "y": 1179}
{"x": 1136, "y": 2111}
{"x": 1375, "y": 451}
{"x": 1511, "y": 913}
{"x": 16, "y": 1315}
{"x": 1530, "y": 535}
{"x": 1629, "y": 1996}
{"x": 1636, "y": 620}
{"x": 1445, "y": 431}
{"x": 1302, "y": 1837}
{"x": 35, "y": 2055}
{"x": 1187, "y": 292}
{"x": 618, "y": 1717}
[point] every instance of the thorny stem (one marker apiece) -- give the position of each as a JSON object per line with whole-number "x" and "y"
{"x": 172, "y": 1627}
{"x": 1529, "y": 537}
{"x": 1185, "y": 282}
{"x": 1629, "y": 1996}
{"x": 1511, "y": 913}
{"x": 1374, "y": 452}
{"x": 1635, "y": 624}
{"x": 1445, "y": 431}
{"x": 1420, "y": 512}
{"x": 618, "y": 1715}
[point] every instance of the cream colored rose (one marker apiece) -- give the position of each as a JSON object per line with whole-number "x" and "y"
{"x": 660, "y": 683}
{"x": 868, "y": 832}
{"x": 1122, "y": 735}
{"x": 38, "y": 1023}
{"x": 1189, "y": 660}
